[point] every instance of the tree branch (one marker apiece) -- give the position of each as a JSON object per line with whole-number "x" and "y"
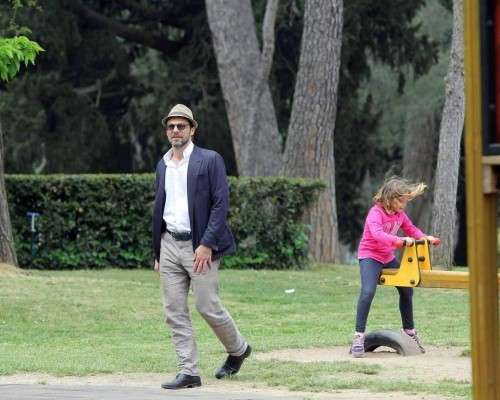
{"x": 263, "y": 68}
{"x": 268, "y": 39}
{"x": 152, "y": 40}
{"x": 140, "y": 7}
{"x": 144, "y": 9}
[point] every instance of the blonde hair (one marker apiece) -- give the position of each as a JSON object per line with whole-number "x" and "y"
{"x": 395, "y": 187}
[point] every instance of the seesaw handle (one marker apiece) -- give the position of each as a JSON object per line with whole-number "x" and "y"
{"x": 402, "y": 242}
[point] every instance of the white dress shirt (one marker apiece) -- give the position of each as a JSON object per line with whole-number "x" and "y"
{"x": 175, "y": 212}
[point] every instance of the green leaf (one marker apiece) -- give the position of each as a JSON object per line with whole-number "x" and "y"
{"x": 13, "y": 52}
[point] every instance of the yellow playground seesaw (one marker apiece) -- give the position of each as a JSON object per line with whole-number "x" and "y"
{"x": 415, "y": 271}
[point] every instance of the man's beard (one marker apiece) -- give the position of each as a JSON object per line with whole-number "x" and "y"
{"x": 179, "y": 142}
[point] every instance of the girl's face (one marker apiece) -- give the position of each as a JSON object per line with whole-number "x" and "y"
{"x": 398, "y": 204}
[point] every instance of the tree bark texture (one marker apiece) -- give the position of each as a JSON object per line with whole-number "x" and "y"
{"x": 444, "y": 213}
{"x": 263, "y": 71}
{"x": 7, "y": 248}
{"x": 419, "y": 164}
{"x": 310, "y": 143}
{"x": 232, "y": 24}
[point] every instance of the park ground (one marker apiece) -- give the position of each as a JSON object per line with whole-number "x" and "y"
{"x": 87, "y": 329}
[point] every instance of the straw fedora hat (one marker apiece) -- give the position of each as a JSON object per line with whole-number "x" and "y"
{"x": 180, "y": 110}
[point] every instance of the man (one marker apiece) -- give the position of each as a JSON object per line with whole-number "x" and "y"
{"x": 190, "y": 235}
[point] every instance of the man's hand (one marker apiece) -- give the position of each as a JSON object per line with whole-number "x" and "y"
{"x": 157, "y": 266}
{"x": 202, "y": 259}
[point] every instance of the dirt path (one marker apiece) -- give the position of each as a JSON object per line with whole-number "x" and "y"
{"x": 437, "y": 364}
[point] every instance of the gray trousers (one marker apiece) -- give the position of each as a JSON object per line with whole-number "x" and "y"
{"x": 176, "y": 276}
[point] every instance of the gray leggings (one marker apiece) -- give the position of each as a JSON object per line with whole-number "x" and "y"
{"x": 370, "y": 271}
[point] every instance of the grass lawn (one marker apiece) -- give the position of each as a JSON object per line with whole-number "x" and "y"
{"x": 110, "y": 321}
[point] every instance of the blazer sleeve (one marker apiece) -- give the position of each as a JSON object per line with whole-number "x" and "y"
{"x": 156, "y": 218}
{"x": 219, "y": 193}
{"x": 157, "y": 179}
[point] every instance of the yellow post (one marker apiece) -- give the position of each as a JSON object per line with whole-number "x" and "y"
{"x": 481, "y": 226}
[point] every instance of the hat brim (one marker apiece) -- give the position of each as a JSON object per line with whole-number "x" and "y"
{"x": 178, "y": 114}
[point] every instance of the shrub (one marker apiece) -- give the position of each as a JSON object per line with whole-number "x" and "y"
{"x": 97, "y": 221}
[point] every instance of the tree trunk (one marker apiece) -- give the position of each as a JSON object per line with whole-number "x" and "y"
{"x": 419, "y": 164}
{"x": 444, "y": 213}
{"x": 232, "y": 24}
{"x": 310, "y": 143}
{"x": 7, "y": 248}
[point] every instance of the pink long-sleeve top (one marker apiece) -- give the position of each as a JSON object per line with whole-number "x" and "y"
{"x": 379, "y": 234}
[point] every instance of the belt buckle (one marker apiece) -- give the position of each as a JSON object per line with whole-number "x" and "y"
{"x": 181, "y": 236}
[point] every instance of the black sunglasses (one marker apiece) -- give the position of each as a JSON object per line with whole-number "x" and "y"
{"x": 180, "y": 127}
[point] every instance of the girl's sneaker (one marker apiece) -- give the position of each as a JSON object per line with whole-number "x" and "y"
{"x": 358, "y": 345}
{"x": 416, "y": 338}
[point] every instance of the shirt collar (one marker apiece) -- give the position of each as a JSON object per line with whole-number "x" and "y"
{"x": 185, "y": 154}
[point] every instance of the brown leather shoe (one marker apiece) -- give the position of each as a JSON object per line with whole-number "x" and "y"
{"x": 182, "y": 381}
{"x": 232, "y": 364}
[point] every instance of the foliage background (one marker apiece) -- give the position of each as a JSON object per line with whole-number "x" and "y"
{"x": 94, "y": 101}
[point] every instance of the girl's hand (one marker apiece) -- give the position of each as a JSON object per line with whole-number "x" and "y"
{"x": 433, "y": 240}
{"x": 404, "y": 241}
{"x": 409, "y": 241}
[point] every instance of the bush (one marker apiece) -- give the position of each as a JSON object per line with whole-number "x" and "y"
{"x": 97, "y": 221}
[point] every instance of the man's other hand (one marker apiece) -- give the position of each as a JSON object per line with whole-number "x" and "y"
{"x": 202, "y": 259}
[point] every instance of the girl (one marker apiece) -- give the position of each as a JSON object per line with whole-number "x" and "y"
{"x": 376, "y": 251}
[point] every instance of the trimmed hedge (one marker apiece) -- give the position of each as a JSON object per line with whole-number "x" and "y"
{"x": 98, "y": 221}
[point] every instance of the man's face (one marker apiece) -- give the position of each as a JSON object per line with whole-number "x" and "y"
{"x": 179, "y": 131}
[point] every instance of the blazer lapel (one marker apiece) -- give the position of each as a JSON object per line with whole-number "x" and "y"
{"x": 192, "y": 173}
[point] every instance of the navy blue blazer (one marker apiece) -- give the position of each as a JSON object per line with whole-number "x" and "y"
{"x": 208, "y": 203}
